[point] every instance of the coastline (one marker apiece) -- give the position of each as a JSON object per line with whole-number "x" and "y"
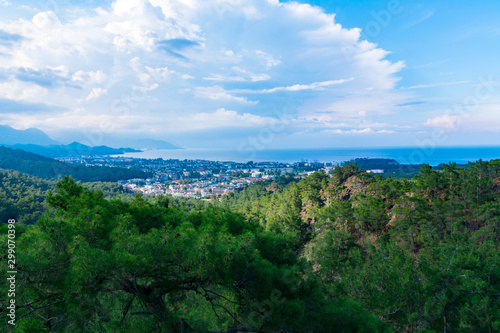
{"x": 408, "y": 155}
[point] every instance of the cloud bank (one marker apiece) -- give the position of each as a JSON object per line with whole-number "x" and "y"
{"x": 158, "y": 68}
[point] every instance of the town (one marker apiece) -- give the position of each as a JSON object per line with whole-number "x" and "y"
{"x": 198, "y": 178}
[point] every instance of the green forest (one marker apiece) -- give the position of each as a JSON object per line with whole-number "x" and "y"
{"x": 48, "y": 168}
{"x": 342, "y": 252}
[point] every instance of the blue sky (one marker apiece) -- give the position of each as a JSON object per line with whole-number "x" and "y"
{"x": 253, "y": 74}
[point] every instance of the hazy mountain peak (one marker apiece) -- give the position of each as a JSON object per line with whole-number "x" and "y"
{"x": 11, "y": 136}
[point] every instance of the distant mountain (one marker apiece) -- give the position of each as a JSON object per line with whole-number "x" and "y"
{"x": 35, "y": 140}
{"x": 11, "y": 136}
{"x": 47, "y": 168}
{"x": 151, "y": 144}
{"x": 72, "y": 150}
{"x": 136, "y": 143}
{"x": 113, "y": 140}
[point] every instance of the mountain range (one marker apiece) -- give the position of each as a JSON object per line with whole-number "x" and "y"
{"x": 36, "y": 141}
{"x": 71, "y": 150}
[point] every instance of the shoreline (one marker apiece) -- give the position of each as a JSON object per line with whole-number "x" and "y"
{"x": 410, "y": 155}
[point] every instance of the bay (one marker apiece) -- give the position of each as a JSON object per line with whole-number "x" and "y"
{"x": 408, "y": 155}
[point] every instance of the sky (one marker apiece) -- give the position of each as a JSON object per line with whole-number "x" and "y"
{"x": 258, "y": 74}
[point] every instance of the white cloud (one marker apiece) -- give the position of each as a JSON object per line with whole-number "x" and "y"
{"x": 240, "y": 75}
{"x": 140, "y": 24}
{"x": 91, "y": 77}
{"x": 356, "y": 131}
{"x": 171, "y": 59}
{"x": 227, "y": 118}
{"x": 432, "y": 85}
{"x": 300, "y": 87}
{"x": 426, "y": 16}
{"x": 446, "y": 121}
{"x": 46, "y": 21}
{"x": 96, "y": 93}
{"x": 219, "y": 93}
{"x": 22, "y": 91}
{"x": 268, "y": 59}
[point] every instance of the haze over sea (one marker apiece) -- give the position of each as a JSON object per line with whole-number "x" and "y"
{"x": 410, "y": 155}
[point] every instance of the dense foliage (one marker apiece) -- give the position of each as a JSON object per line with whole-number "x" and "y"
{"x": 346, "y": 251}
{"x": 22, "y": 197}
{"x": 421, "y": 254}
{"x": 93, "y": 265}
{"x": 47, "y": 168}
{"x": 390, "y": 167}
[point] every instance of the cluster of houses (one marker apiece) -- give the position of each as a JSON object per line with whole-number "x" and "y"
{"x": 216, "y": 186}
{"x": 201, "y": 178}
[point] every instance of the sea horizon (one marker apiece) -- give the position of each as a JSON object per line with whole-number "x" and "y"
{"x": 403, "y": 155}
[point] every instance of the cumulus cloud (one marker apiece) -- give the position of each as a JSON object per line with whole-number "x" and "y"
{"x": 445, "y": 121}
{"x": 227, "y": 118}
{"x": 22, "y": 91}
{"x": 90, "y": 77}
{"x": 167, "y": 61}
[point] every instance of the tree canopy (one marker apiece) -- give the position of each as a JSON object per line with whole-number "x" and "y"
{"x": 347, "y": 251}
{"x": 91, "y": 264}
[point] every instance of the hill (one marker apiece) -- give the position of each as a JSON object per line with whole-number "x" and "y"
{"x": 11, "y": 136}
{"x": 74, "y": 149}
{"x": 390, "y": 167}
{"x": 47, "y": 168}
{"x": 113, "y": 140}
{"x": 418, "y": 253}
{"x": 22, "y": 197}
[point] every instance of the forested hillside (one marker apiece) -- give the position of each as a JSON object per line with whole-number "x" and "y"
{"x": 93, "y": 265}
{"x": 22, "y": 197}
{"x": 340, "y": 252}
{"x": 421, "y": 254}
{"x": 47, "y": 168}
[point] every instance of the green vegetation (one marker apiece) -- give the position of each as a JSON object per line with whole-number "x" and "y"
{"x": 391, "y": 167}
{"x": 342, "y": 252}
{"x": 421, "y": 254}
{"x": 47, "y": 168}
{"x": 22, "y": 197}
{"x": 93, "y": 265}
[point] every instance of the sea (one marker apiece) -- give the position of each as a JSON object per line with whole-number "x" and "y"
{"x": 408, "y": 155}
